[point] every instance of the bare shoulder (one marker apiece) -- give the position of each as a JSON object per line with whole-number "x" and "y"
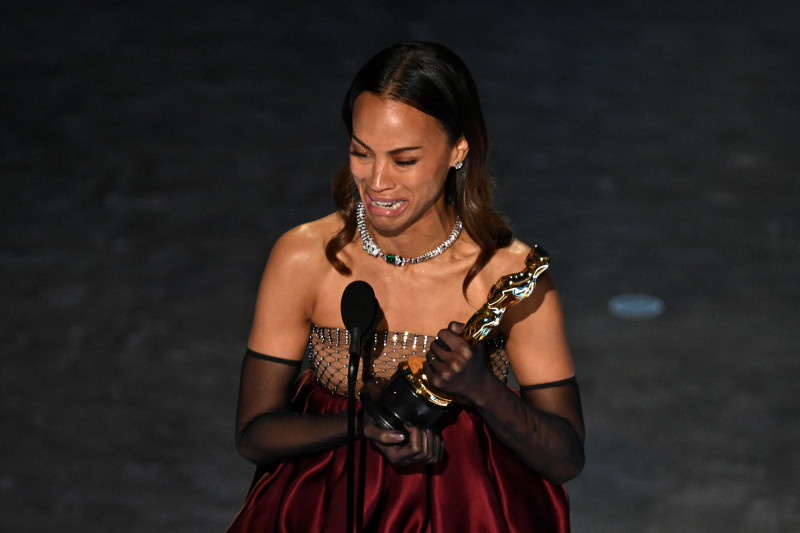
{"x": 287, "y": 295}
{"x": 297, "y": 264}
{"x": 516, "y": 251}
{"x": 536, "y": 340}
{"x": 509, "y": 259}
{"x": 302, "y": 248}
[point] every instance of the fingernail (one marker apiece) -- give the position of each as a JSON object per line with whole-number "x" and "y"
{"x": 396, "y": 436}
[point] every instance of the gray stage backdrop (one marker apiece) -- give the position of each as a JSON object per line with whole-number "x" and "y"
{"x": 151, "y": 153}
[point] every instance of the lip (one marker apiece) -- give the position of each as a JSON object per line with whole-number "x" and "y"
{"x": 383, "y": 211}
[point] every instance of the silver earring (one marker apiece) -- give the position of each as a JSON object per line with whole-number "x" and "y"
{"x": 459, "y": 165}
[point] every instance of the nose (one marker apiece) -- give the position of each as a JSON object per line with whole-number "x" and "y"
{"x": 381, "y": 180}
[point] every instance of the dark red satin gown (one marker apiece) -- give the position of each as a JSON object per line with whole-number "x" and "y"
{"x": 480, "y": 486}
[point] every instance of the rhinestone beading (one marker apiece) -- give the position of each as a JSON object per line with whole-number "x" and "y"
{"x": 328, "y": 354}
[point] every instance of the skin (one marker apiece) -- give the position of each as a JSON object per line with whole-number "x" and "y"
{"x": 399, "y": 159}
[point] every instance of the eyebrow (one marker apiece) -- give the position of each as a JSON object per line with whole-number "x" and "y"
{"x": 395, "y": 151}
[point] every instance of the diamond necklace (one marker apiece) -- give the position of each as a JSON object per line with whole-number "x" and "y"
{"x": 374, "y": 250}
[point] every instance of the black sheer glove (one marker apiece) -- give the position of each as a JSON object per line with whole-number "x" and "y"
{"x": 455, "y": 367}
{"x": 267, "y": 430}
{"x": 543, "y": 424}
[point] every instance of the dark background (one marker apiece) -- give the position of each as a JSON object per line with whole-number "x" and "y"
{"x": 152, "y": 152}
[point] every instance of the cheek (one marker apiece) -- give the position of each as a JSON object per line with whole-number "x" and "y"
{"x": 436, "y": 175}
{"x": 360, "y": 169}
{"x": 357, "y": 172}
{"x": 359, "y": 180}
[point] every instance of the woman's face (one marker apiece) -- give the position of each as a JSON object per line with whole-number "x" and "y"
{"x": 399, "y": 157}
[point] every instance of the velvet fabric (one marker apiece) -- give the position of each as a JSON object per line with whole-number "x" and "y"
{"x": 480, "y": 485}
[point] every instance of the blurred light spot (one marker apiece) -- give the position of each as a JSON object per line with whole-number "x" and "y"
{"x": 635, "y": 306}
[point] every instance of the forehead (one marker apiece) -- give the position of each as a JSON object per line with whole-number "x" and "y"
{"x": 386, "y": 121}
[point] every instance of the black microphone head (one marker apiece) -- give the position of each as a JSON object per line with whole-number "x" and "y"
{"x": 360, "y": 307}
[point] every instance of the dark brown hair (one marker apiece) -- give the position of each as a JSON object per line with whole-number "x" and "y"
{"x": 433, "y": 79}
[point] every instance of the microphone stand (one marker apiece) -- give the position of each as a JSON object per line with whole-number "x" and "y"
{"x": 356, "y": 347}
{"x": 360, "y": 311}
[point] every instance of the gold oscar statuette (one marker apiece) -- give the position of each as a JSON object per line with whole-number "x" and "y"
{"x": 409, "y": 396}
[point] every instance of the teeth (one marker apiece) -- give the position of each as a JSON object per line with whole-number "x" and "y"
{"x": 386, "y": 205}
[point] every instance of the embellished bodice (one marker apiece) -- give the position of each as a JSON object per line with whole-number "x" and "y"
{"x": 328, "y": 356}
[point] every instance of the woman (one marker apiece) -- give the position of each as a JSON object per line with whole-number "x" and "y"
{"x": 415, "y": 221}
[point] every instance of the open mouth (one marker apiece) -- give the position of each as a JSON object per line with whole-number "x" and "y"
{"x": 387, "y": 204}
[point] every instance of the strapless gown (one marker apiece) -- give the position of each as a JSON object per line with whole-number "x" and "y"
{"x": 480, "y": 485}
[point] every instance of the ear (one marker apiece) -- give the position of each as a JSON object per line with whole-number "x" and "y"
{"x": 460, "y": 151}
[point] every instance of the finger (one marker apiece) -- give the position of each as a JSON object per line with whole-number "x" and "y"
{"x": 456, "y": 327}
{"x": 407, "y": 453}
{"x": 427, "y": 445}
{"x": 443, "y": 355}
{"x": 459, "y": 351}
{"x": 438, "y": 362}
{"x": 424, "y": 445}
{"x": 439, "y": 448}
{"x": 436, "y": 451}
{"x": 433, "y": 448}
{"x": 441, "y": 344}
{"x": 443, "y": 372}
{"x": 452, "y": 340}
{"x": 415, "y": 439}
{"x": 433, "y": 374}
{"x": 440, "y": 352}
{"x": 430, "y": 367}
{"x": 428, "y": 450}
{"x": 383, "y": 436}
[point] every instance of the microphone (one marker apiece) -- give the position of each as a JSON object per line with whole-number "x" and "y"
{"x": 360, "y": 316}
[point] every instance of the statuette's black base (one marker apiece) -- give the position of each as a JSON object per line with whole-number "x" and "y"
{"x": 390, "y": 403}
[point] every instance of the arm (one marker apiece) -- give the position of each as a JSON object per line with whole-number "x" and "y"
{"x": 544, "y": 426}
{"x": 279, "y": 433}
{"x": 274, "y": 432}
{"x": 266, "y": 428}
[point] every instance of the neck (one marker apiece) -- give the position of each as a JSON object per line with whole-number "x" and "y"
{"x": 427, "y": 238}
{"x": 421, "y": 237}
